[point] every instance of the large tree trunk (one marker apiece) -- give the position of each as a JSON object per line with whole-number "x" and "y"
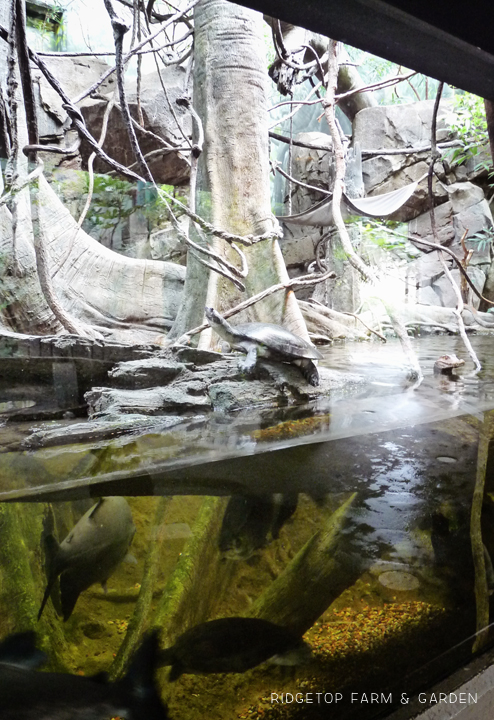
{"x": 233, "y": 175}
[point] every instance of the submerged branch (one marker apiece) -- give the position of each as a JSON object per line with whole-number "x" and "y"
{"x": 458, "y": 313}
{"x": 481, "y": 588}
{"x": 137, "y": 623}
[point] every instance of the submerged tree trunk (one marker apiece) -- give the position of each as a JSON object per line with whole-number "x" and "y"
{"x": 316, "y": 576}
{"x": 233, "y": 173}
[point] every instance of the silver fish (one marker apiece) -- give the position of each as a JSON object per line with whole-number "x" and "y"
{"x": 90, "y": 553}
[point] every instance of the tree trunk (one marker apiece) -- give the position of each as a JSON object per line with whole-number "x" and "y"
{"x": 316, "y": 576}
{"x": 233, "y": 173}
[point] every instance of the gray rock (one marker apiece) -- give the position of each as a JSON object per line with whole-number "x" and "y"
{"x": 444, "y": 290}
{"x": 98, "y": 430}
{"x": 197, "y": 357}
{"x": 420, "y": 227}
{"x": 145, "y": 373}
{"x": 167, "y": 167}
{"x": 466, "y": 210}
{"x": 74, "y": 75}
{"x": 394, "y": 126}
{"x": 463, "y": 195}
{"x": 149, "y": 401}
{"x": 229, "y": 396}
{"x": 475, "y": 219}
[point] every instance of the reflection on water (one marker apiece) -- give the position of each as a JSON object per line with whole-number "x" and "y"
{"x": 307, "y": 552}
{"x": 152, "y": 452}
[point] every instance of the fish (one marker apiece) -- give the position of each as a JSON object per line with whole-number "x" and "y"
{"x": 90, "y": 553}
{"x": 233, "y": 645}
{"x": 250, "y": 521}
{"x": 20, "y": 650}
{"x": 31, "y": 695}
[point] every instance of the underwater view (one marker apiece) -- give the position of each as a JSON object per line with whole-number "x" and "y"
{"x": 326, "y": 559}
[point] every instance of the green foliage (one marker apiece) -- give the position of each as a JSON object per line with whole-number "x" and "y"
{"x": 469, "y": 124}
{"x": 115, "y": 200}
{"x": 112, "y": 202}
{"x": 45, "y": 27}
{"x": 268, "y": 44}
{"x": 385, "y": 234}
{"x": 483, "y": 239}
{"x": 374, "y": 69}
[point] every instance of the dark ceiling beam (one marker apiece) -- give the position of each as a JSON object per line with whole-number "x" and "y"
{"x": 410, "y": 38}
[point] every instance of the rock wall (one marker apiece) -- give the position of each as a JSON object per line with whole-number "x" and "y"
{"x": 459, "y": 200}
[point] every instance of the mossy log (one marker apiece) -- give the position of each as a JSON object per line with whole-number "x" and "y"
{"x": 198, "y": 578}
{"x": 23, "y": 579}
{"x": 486, "y": 435}
{"x": 143, "y": 606}
{"x": 316, "y": 576}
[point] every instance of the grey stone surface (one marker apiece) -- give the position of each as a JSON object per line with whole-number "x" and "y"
{"x": 421, "y": 225}
{"x": 229, "y": 396}
{"x": 467, "y": 210}
{"x": 163, "y": 385}
{"x": 393, "y": 126}
{"x": 98, "y": 430}
{"x": 444, "y": 290}
{"x": 147, "y": 401}
{"x": 145, "y": 373}
{"x": 400, "y": 126}
{"x": 74, "y": 75}
{"x": 463, "y": 195}
{"x": 167, "y": 167}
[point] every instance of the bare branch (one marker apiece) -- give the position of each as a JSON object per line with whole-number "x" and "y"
{"x": 119, "y": 30}
{"x": 459, "y": 300}
{"x": 329, "y": 104}
{"x": 72, "y": 150}
{"x": 87, "y": 204}
{"x": 26, "y": 79}
{"x": 177, "y": 16}
{"x": 276, "y": 167}
{"x": 218, "y": 270}
{"x": 388, "y": 82}
{"x": 304, "y": 281}
{"x": 111, "y": 53}
{"x": 42, "y": 266}
{"x": 368, "y": 153}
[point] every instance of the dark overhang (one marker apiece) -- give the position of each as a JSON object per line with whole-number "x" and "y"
{"x": 434, "y": 37}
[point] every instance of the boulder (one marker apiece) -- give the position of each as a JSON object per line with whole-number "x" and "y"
{"x": 395, "y": 126}
{"x": 74, "y": 74}
{"x": 401, "y": 126}
{"x": 167, "y": 166}
{"x": 466, "y": 209}
{"x": 163, "y": 385}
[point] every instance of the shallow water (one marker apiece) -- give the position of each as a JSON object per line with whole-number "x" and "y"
{"x": 352, "y": 526}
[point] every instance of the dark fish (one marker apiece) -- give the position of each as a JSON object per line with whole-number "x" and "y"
{"x": 251, "y": 520}
{"x": 285, "y": 506}
{"x": 90, "y": 553}
{"x": 20, "y": 650}
{"x": 233, "y": 645}
{"x": 30, "y": 695}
